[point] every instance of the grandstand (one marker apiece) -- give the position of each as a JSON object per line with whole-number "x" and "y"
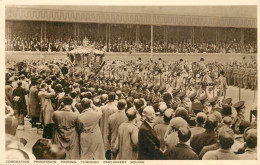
{"x": 175, "y": 29}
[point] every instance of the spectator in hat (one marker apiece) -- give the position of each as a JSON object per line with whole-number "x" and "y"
{"x": 114, "y": 121}
{"x": 182, "y": 151}
{"x": 240, "y": 109}
{"x": 126, "y": 144}
{"x": 226, "y": 140}
{"x": 250, "y": 147}
{"x": 148, "y": 142}
{"x": 161, "y": 128}
{"x": 171, "y": 134}
{"x": 205, "y": 138}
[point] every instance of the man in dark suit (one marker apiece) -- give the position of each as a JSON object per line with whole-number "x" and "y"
{"x": 206, "y": 138}
{"x": 182, "y": 151}
{"x": 148, "y": 142}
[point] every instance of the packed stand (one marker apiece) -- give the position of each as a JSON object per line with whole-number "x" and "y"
{"x": 35, "y": 43}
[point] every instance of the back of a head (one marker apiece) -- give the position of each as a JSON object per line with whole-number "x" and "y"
{"x": 201, "y": 118}
{"x": 85, "y": 103}
{"x": 39, "y": 148}
{"x": 226, "y": 137}
{"x": 251, "y": 140}
{"x": 147, "y": 110}
{"x": 226, "y": 110}
{"x": 167, "y": 115}
{"x": 111, "y": 96}
{"x": 73, "y": 94}
{"x": 184, "y": 134}
{"x": 183, "y": 113}
{"x": 211, "y": 123}
{"x": 227, "y": 120}
{"x": 121, "y": 104}
{"x": 54, "y": 152}
{"x": 67, "y": 100}
{"x": 131, "y": 114}
{"x": 162, "y": 107}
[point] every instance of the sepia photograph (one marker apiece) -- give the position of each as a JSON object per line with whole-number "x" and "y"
{"x": 109, "y": 83}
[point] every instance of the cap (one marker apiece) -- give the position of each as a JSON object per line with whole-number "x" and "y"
{"x": 177, "y": 122}
{"x": 182, "y": 94}
{"x": 227, "y": 101}
{"x": 197, "y": 107}
{"x": 239, "y": 104}
{"x": 162, "y": 88}
{"x": 175, "y": 91}
{"x": 156, "y": 88}
{"x": 182, "y": 112}
{"x": 193, "y": 95}
{"x": 214, "y": 99}
{"x": 203, "y": 98}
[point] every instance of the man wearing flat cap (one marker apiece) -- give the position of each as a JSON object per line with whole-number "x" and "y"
{"x": 182, "y": 151}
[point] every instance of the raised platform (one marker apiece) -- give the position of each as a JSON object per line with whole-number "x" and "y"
{"x": 169, "y": 57}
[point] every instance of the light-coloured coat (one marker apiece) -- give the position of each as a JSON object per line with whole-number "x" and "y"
{"x": 126, "y": 145}
{"x": 91, "y": 142}
{"x": 65, "y": 132}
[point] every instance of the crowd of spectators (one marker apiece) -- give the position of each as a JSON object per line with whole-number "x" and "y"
{"x": 36, "y": 43}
